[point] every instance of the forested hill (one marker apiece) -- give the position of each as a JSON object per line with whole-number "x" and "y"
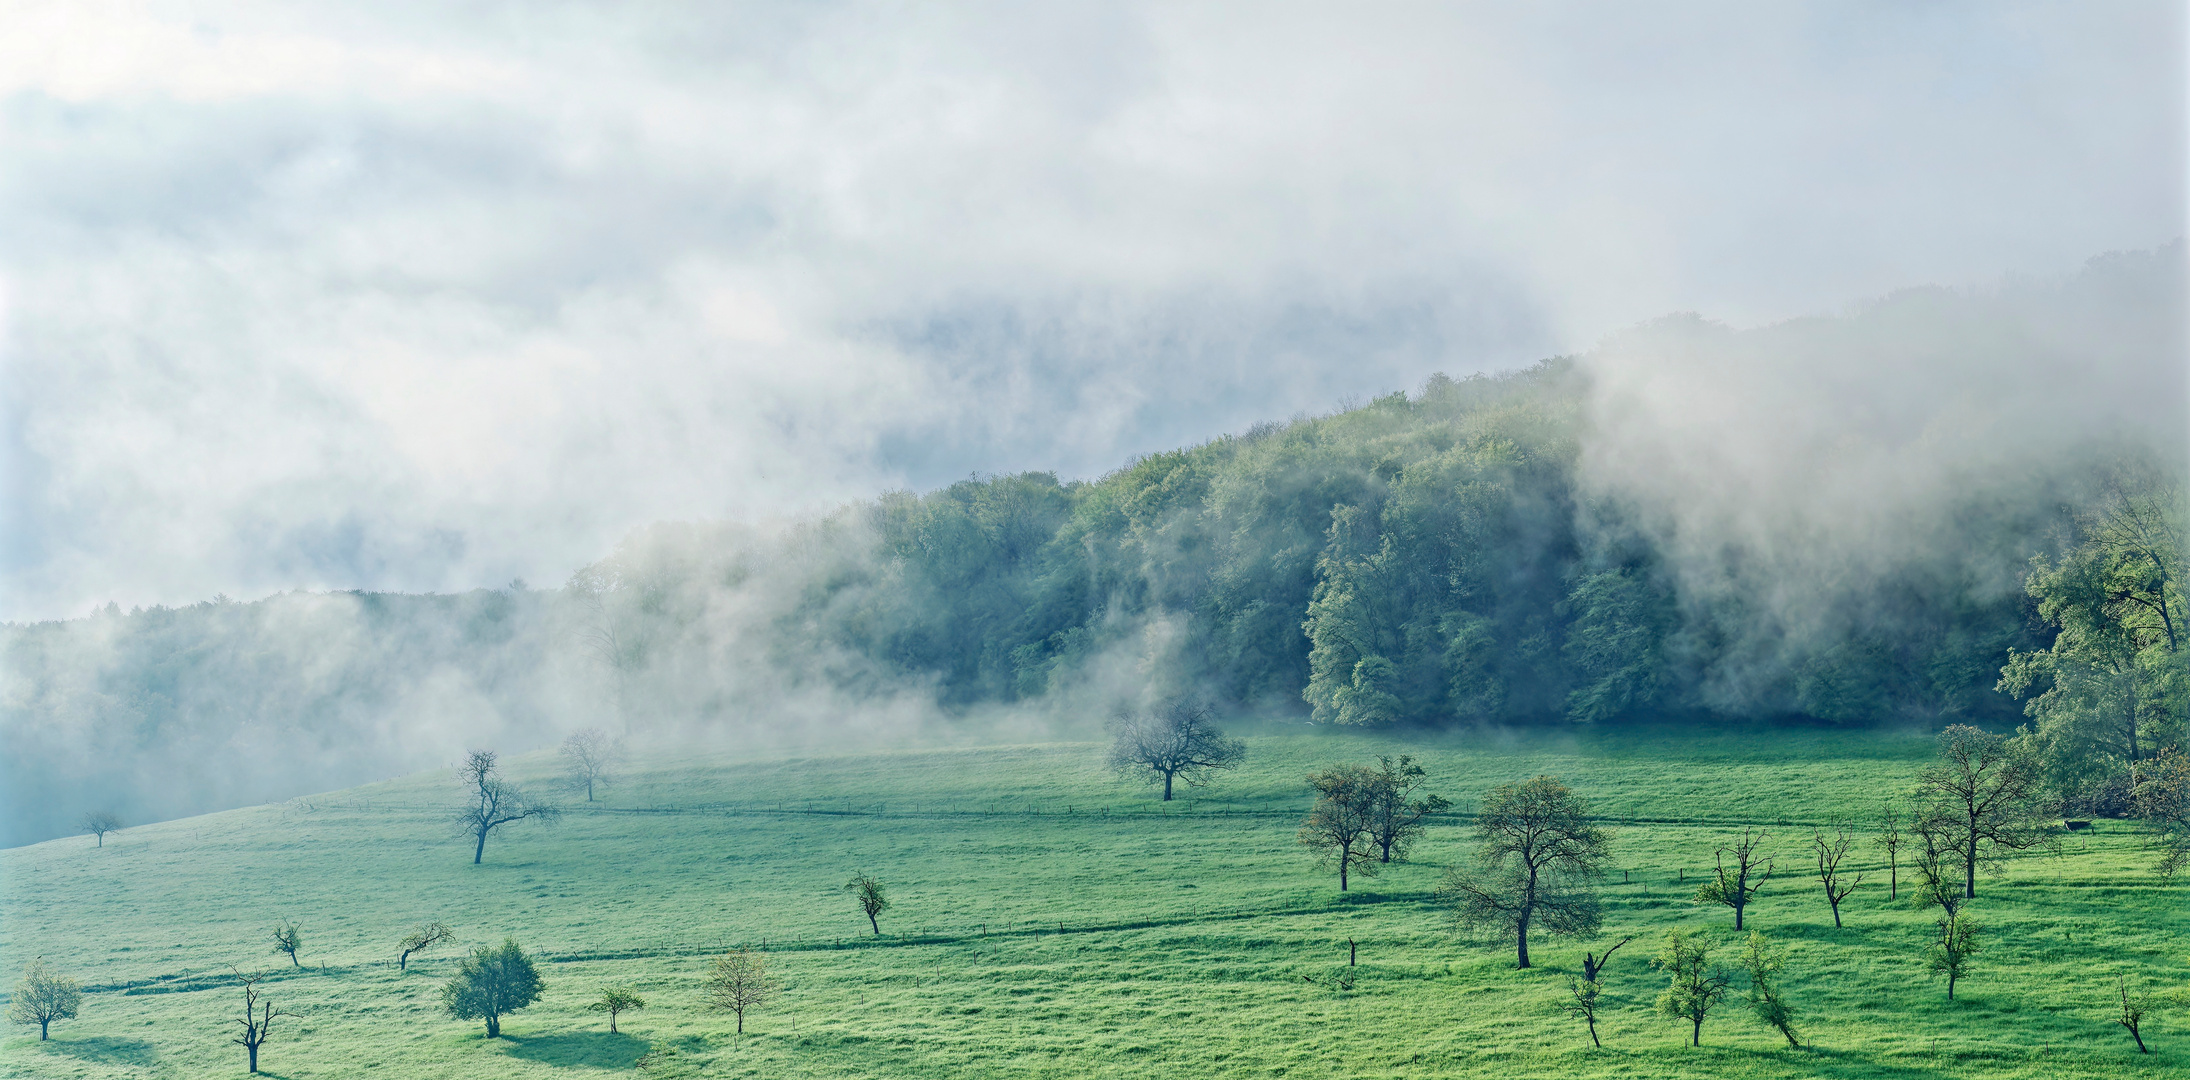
{"x": 1477, "y": 552}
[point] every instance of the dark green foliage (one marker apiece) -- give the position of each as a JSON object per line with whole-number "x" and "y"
{"x": 494, "y": 981}
{"x": 1538, "y": 860}
{"x": 1695, "y": 985}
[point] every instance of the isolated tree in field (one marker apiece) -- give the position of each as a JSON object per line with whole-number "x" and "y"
{"x": 590, "y": 753}
{"x": 1175, "y": 741}
{"x": 288, "y": 938}
{"x": 1737, "y": 886}
{"x": 419, "y": 940}
{"x": 1952, "y": 948}
{"x": 1538, "y": 859}
{"x": 1396, "y": 818}
{"x": 2135, "y": 1007}
{"x": 1583, "y": 997}
{"x": 740, "y": 983}
{"x": 1987, "y": 794}
{"x": 494, "y": 981}
{"x": 2162, "y": 800}
{"x": 41, "y": 997}
{"x": 494, "y": 802}
{"x": 872, "y": 901}
{"x": 257, "y": 1020}
{"x": 1889, "y": 839}
{"x": 1696, "y": 985}
{"x": 1831, "y": 846}
{"x": 99, "y": 823}
{"x": 1764, "y": 961}
{"x": 1338, "y": 826}
{"x": 615, "y": 1000}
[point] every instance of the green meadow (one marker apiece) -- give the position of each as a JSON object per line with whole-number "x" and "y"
{"x": 1052, "y": 920}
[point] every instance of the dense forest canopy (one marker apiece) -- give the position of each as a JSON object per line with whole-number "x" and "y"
{"x": 1545, "y": 546}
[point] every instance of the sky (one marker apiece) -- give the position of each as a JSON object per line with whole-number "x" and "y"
{"x": 429, "y": 297}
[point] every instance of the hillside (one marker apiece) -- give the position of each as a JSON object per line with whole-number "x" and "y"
{"x": 1052, "y": 920}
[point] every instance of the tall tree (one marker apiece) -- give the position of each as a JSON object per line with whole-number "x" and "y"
{"x": 1338, "y": 826}
{"x": 1175, "y": 740}
{"x": 740, "y": 982}
{"x": 42, "y": 996}
{"x": 1538, "y": 858}
{"x": 2162, "y": 800}
{"x": 2114, "y": 686}
{"x": 589, "y": 754}
{"x": 1695, "y": 984}
{"x": 1987, "y": 794}
{"x": 494, "y": 802}
{"x": 494, "y": 981}
{"x": 1737, "y": 887}
{"x": 1396, "y": 818}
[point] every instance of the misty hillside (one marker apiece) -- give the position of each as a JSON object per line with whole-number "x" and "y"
{"x": 1689, "y": 523}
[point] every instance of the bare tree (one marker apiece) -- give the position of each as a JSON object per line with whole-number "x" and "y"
{"x": 258, "y": 1017}
{"x": 1988, "y": 793}
{"x": 1737, "y": 887}
{"x": 2135, "y": 1007}
{"x": 1339, "y": 824}
{"x": 1696, "y": 984}
{"x": 1176, "y": 740}
{"x": 43, "y": 997}
{"x": 1890, "y": 838}
{"x": 872, "y": 902}
{"x": 615, "y": 1000}
{"x": 1764, "y": 961}
{"x": 1540, "y": 858}
{"x": 288, "y": 938}
{"x": 99, "y": 823}
{"x": 1396, "y": 820}
{"x": 590, "y": 753}
{"x": 1584, "y": 995}
{"x": 1832, "y": 851}
{"x": 494, "y": 802}
{"x": 1593, "y": 965}
{"x": 740, "y": 983}
{"x": 421, "y": 939}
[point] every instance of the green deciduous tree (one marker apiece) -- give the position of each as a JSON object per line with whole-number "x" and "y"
{"x": 1583, "y": 998}
{"x": 615, "y": 1000}
{"x": 2162, "y": 800}
{"x": 1396, "y": 817}
{"x": 1695, "y": 985}
{"x": 42, "y": 996}
{"x": 1338, "y": 825}
{"x": 1952, "y": 946}
{"x": 1984, "y": 797}
{"x": 494, "y": 981}
{"x": 1538, "y": 859}
{"x": 1764, "y": 961}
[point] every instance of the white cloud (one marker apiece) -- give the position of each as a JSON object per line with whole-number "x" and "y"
{"x": 327, "y": 295}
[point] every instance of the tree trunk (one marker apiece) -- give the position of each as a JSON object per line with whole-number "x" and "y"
{"x": 1950, "y": 986}
{"x": 1697, "y": 1038}
{"x": 42, "y": 1029}
{"x": 1593, "y": 1033}
{"x": 589, "y": 798}
{"x": 1969, "y": 869}
{"x": 1345, "y": 859}
{"x": 2140, "y": 1039}
{"x": 293, "y": 961}
{"x": 253, "y": 1050}
{"x": 1167, "y": 787}
{"x": 1523, "y": 936}
{"x": 612, "y": 1021}
{"x": 877, "y": 926}
{"x": 1737, "y": 914}
{"x": 1836, "y": 911}
{"x": 479, "y": 852}
{"x": 494, "y": 1026}
{"x": 741, "y": 1021}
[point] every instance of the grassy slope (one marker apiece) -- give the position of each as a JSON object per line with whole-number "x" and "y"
{"x": 1197, "y": 939}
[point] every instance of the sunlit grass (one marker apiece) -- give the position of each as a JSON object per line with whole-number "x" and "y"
{"x": 1051, "y": 921}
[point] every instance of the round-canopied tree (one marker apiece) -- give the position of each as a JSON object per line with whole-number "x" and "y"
{"x": 1539, "y": 858}
{"x": 494, "y": 981}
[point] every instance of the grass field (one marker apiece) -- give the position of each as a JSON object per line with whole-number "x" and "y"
{"x": 1050, "y": 920}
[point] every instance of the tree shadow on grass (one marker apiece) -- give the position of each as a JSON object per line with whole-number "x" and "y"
{"x": 105, "y": 1049}
{"x": 581, "y": 1049}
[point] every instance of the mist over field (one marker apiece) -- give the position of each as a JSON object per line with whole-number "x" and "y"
{"x": 519, "y": 372}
